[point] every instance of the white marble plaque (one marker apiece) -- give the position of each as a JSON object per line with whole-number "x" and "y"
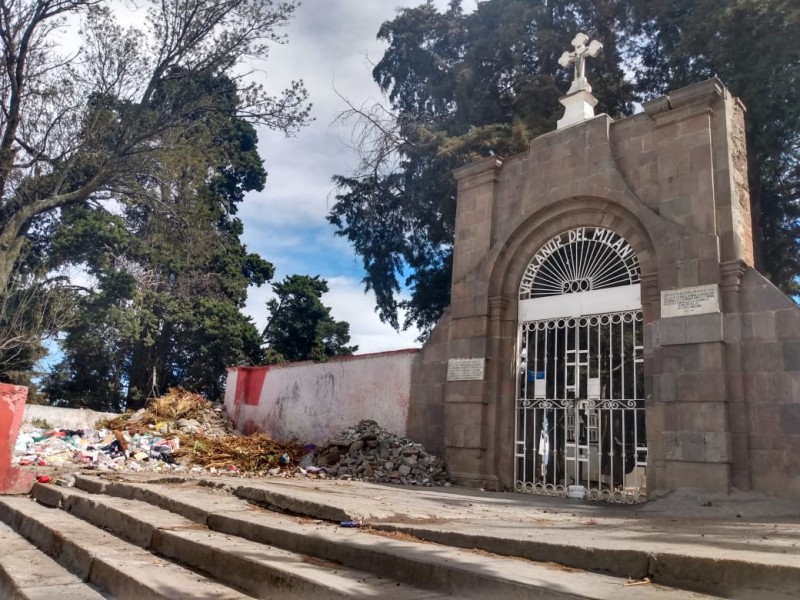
{"x": 687, "y": 301}
{"x": 465, "y": 369}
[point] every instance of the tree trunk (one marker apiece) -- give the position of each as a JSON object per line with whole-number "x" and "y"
{"x": 138, "y": 376}
{"x": 11, "y": 241}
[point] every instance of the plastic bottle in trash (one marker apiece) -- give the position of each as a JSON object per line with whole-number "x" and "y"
{"x": 351, "y": 524}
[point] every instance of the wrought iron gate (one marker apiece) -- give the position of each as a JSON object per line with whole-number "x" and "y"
{"x": 580, "y": 421}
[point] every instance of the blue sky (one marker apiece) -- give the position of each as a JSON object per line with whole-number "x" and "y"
{"x": 332, "y": 47}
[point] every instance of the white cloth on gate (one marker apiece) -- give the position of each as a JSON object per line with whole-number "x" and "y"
{"x": 544, "y": 446}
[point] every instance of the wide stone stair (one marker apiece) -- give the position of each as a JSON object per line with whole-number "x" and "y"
{"x": 123, "y": 540}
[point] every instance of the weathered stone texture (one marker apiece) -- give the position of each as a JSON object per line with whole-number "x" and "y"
{"x": 428, "y": 388}
{"x": 722, "y": 388}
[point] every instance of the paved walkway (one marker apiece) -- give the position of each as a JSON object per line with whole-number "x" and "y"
{"x": 751, "y": 524}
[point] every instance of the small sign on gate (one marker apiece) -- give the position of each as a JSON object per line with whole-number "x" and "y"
{"x": 534, "y": 375}
{"x": 593, "y": 388}
{"x": 540, "y": 387}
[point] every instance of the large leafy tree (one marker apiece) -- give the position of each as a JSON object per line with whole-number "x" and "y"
{"x": 78, "y": 128}
{"x": 460, "y": 87}
{"x": 171, "y": 280}
{"x": 300, "y": 326}
{"x": 750, "y": 45}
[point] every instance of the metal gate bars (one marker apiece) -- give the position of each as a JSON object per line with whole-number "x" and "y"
{"x": 580, "y": 422}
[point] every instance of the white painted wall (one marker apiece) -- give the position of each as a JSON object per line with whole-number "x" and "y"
{"x": 314, "y": 401}
{"x": 64, "y": 418}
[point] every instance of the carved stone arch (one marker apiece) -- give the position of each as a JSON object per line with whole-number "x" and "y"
{"x": 520, "y": 247}
{"x": 505, "y": 274}
{"x": 579, "y": 260}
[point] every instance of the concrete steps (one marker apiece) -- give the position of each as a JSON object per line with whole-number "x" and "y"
{"x": 144, "y": 563}
{"x": 184, "y": 540}
{"x": 116, "y": 568}
{"x": 253, "y": 549}
{"x": 27, "y": 574}
{"x": 722, "y": 558}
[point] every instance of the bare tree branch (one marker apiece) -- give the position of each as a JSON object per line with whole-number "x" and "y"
{"x": 103, "y": 120}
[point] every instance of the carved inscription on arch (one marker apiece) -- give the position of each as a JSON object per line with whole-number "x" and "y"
{"x": 580, "y": 260}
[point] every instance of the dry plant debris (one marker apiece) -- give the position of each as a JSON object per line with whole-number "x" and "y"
{"x": 183, "y": 432}
{"x": 244, "y": 453}
{"x": 203, "y": 434}
{"x": 177, "y": 410}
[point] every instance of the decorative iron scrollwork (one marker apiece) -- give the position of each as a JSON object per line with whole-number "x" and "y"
{"x": 580, "y": 260}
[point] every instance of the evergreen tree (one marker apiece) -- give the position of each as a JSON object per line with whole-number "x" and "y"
{"x": 78, "y": 128}
{"x": 751, "y": 46}
{"x": 300, "y": 326}
{"x": 461, "y": 87}
{"x": 172, "y": 278}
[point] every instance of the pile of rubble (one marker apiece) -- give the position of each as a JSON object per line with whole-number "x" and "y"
{"x": 181, "y": 432}
{"x": 370, "y": 453}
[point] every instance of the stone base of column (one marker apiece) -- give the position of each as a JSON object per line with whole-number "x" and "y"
{"x": 578, "y": 107}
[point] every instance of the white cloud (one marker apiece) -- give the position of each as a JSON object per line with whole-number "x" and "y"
{"x": 256, "y": 306}
{"x": 332, "y": 46}
{"x": 349, "y": 303}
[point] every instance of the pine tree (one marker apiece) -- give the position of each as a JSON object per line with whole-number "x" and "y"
{"x": 300, "y": 326}
{"x": 460, "y": 87}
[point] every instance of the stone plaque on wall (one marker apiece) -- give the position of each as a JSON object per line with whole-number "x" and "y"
{"x": 465, "y": 369}
{"x": 697, "y": 300}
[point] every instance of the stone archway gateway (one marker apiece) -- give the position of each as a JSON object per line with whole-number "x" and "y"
{"x": 641, "y": 292}
{"x": 580, "y": 421}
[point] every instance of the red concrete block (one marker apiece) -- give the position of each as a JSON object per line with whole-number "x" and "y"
{"x": 12, "y": 405}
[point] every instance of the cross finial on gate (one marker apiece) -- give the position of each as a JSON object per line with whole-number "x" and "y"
{"x": 578, "y": 103}
{"x": 578, "y": 56}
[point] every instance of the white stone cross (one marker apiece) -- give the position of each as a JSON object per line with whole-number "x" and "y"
{"x": 578, "y": 56}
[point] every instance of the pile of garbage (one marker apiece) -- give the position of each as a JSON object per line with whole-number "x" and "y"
{"x": 101, "y": 449}
{"x": 371, "y": 453}
{"x": 178, "y": 432}
{"x": 182, "y": 432}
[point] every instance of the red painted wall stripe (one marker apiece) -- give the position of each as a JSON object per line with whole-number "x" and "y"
{"x": 249, "y": 383}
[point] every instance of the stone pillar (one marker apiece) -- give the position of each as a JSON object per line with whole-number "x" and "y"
{"x": 692, "y": 441}
{"x": 12, "y": 405}
{"x": 732, "y": 273}
{"x": 466, "y": 402}
{"x": 498, "y": 421}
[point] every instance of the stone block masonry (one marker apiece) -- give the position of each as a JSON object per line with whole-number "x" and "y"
{"x": 721, "y": 345}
